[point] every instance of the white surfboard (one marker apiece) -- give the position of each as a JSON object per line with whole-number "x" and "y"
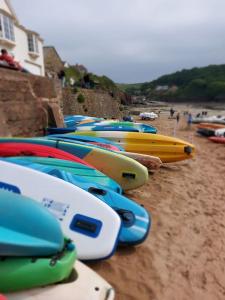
{"x": 220, "y": 132}
{"x": 88, "y": 286}
{"x": 90, "y": 223}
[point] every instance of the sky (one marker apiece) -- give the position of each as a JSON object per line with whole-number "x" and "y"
{"x": 130, "y": 41}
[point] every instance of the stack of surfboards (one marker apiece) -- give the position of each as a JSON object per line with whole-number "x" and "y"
{"x": 109, "y": 125}
{"x": 70, "y": 185}
{"x": 127, "y": 172}
{"x": 215, "y": 132}
{"x": 31, "y": 242}
{"x": 32, "y": 236}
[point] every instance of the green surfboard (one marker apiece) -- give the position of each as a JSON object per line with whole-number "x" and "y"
{"x": 19, "y": 273}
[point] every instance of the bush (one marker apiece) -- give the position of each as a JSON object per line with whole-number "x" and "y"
{"x": 74, "y": 90}
{"x": 80, "y": 98}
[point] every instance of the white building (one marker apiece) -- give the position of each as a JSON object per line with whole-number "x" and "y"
{"x": 26, "y": 45}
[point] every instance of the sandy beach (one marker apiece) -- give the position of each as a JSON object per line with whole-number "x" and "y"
{"x": 184, "y": 255}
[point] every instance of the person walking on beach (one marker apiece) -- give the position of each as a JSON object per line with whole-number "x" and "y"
{"x": 172, "y": 111}
{"x": 189, "y": 120}
{"x": 178, "y": 117}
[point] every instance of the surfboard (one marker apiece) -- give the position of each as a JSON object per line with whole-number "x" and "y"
{"x": 118, "y": 126}
{"x": 21, "y": 273}
{"x": 135, "y": 219}
{"x": 25, "y": 149}
{"x": 206, "y": 131}
{"x": 220, "y": 132}
{"x": 127, "y": 172}
{"x": 168, "y": 149}
{"x": 217, "y": 139}
{"x": 26, "y": 227}
{"x": 91, "y": 144}
{"x": 149, "y": 161}
{"x": 210, "y": 125}
{"x": 85, "y": 285}
{"x": 86, "y": 139}
{"x": 92, "y": 224}
{"x": 89, "y": 174}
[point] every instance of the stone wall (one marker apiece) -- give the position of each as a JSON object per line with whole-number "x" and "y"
{"x": 28, "y": 104}
{"x": 96, "y": 103}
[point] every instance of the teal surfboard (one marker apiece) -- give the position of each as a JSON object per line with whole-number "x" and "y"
{"x": 26, "y": 227}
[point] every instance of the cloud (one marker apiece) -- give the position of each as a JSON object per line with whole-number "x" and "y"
{"x": 130, "y": 40}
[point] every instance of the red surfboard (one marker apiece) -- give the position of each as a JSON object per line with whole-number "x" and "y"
{"x": 217, "y": 139}
{"x": 25, "y": 149}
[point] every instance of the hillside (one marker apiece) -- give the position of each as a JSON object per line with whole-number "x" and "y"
{"x": 203, "y": 84}
{"x": 78, "y": 72}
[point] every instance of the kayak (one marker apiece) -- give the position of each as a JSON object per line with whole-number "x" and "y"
{"x": 26, "y": 227}
{"x": 17, "y": 273}
{"x": 25, "y": 149}
{"x": 83, "y": 284}
{"x": 217, "y": 139}
{"x": 168, "y": 149}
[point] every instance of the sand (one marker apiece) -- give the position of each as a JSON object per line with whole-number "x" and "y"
{"x": 184, "y": 255}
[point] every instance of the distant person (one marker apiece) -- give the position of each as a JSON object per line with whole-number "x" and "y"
{"x": 189, "y": 120}
{"x": 9, "y": 59}
{"x": 172, "y": 111}
{"x": 62, "y": 78}
{"x": 178, "y": 117}
{"x": 87, "y": 82}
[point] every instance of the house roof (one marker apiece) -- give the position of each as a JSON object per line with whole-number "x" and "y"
{"x": 14, "y": 16}
{"x": 53, "y": 48}
{"x": 8, "y": 3}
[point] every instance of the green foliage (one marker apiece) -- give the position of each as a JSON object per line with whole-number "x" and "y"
{"x": 80, "y": 98}
{"x": 104, "y": 83}
{"x": 216, "y": 88}
{"x": 206, "y": 83}
{"x": 72, "y": 72}
{"x": 131, "y": 89}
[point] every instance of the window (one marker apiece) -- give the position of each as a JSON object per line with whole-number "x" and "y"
{"x": 32, "y": 43}
{"x": 6, "y": 28}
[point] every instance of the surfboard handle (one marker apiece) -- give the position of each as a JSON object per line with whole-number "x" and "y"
{"x": 110, "y": 294}
{"x": 128, "y": 175}
{"x": 188, "y": 149}
{"x": 126, "y": 216}
{"x": 97, "y": 191}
